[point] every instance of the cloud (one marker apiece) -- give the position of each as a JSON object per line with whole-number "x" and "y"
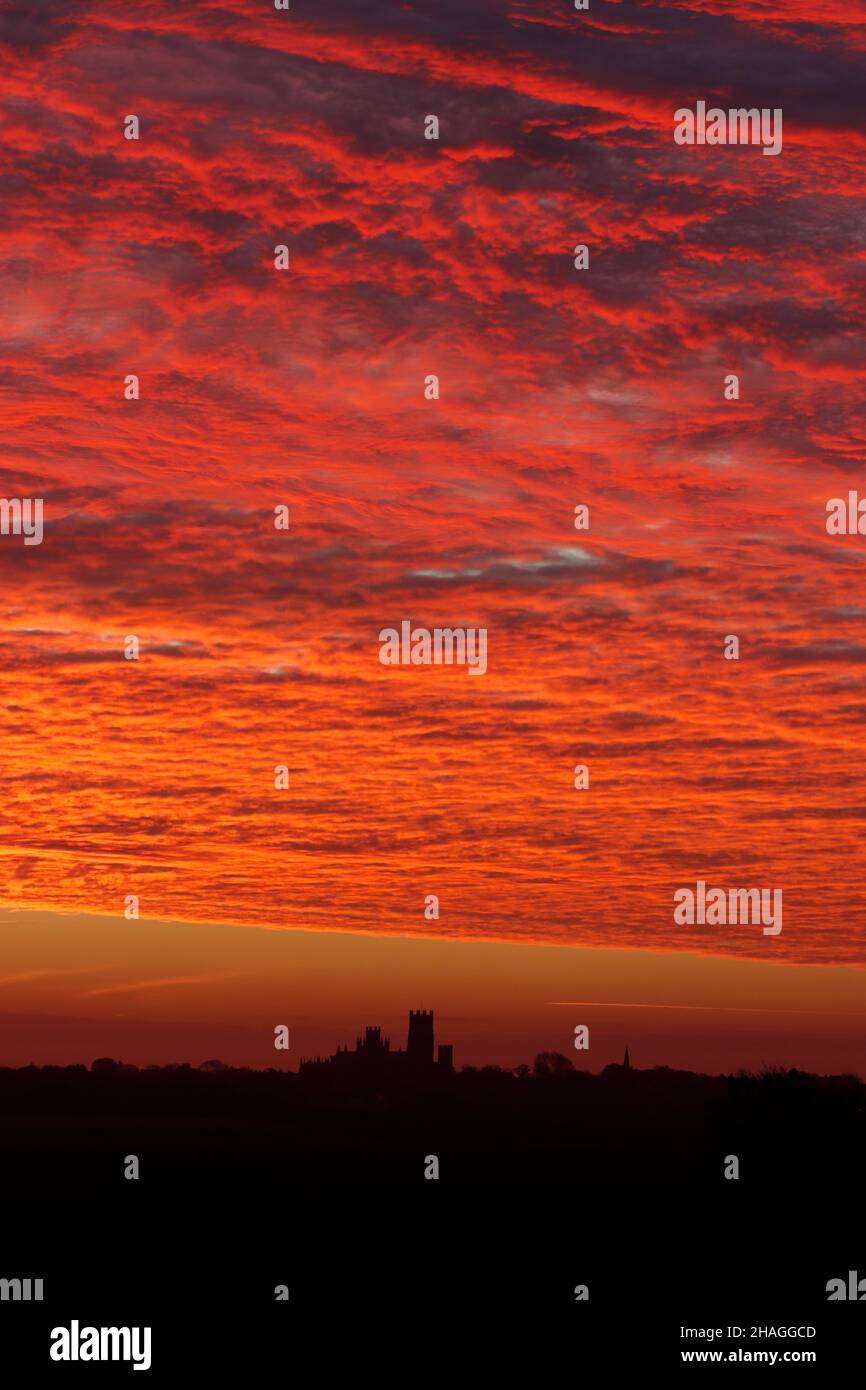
{"x": 305, "y": 388}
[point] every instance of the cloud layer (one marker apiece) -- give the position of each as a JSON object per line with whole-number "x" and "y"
{"x": 454, "y": 257}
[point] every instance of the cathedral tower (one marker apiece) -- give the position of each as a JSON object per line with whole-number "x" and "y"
{"x": 419, "y": 1047}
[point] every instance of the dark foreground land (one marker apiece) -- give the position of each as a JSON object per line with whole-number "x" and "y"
{"x": 551, "y": 1123}
{"x": 547, "y": 1181}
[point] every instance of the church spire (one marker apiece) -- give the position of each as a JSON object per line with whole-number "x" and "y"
{"x": 625, "y": 1062}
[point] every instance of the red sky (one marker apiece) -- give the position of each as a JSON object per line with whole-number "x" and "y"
{"x": 306, "y": 388}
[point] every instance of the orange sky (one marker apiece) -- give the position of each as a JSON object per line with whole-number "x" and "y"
{"x": 306, "y": 388}
{"x": 83, "y": 986}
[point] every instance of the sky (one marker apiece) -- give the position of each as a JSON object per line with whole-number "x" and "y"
{"x": 80, "y": 986}
{"x": 305, "y": 388}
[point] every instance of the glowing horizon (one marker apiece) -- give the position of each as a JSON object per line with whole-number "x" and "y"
{"x": 168, "y": 991}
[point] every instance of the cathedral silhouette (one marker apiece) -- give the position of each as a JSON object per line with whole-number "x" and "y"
{"x": 373, "y": 1057}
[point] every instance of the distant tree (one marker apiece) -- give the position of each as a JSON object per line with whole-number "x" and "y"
{"x": 551, "y": 1064}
